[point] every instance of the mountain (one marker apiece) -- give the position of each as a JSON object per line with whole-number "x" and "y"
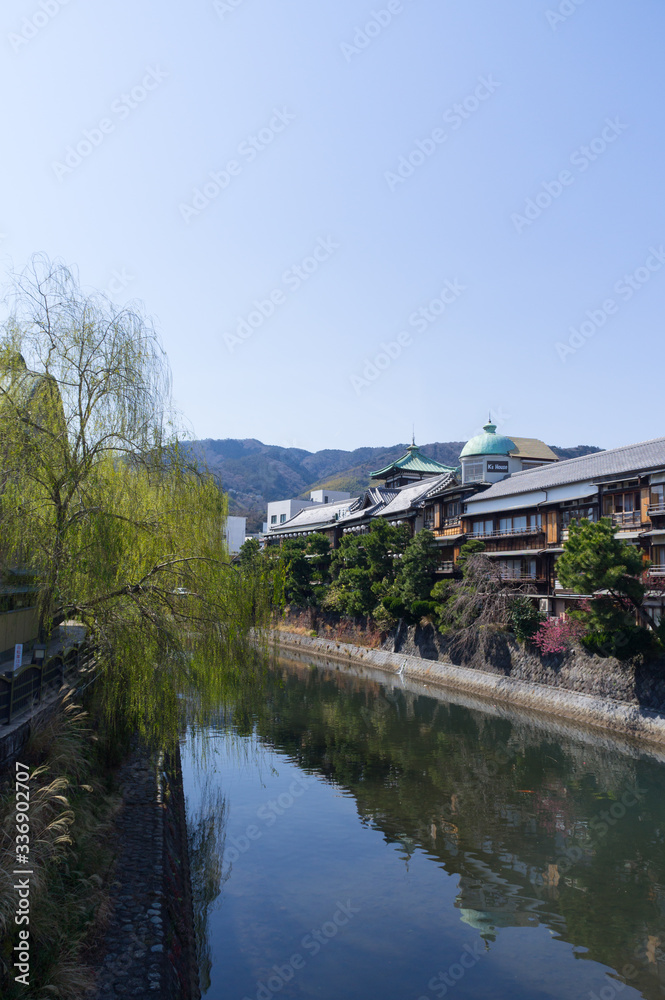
{"x": 253, "y": 473}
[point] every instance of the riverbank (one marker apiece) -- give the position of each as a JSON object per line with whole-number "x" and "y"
{"x": 602, "y": 712}
{"x": 148, "y": 947}
{"x": 109, "y": 887}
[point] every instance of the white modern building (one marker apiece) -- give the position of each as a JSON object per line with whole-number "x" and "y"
{"x": 280, "y": 511}
{"x": 235, "y": 533}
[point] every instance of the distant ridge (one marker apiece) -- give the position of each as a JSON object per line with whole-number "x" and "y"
{"x": 253, "y": 473}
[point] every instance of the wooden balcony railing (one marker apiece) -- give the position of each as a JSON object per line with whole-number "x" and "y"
{"x": 532, "y": 529}
{"x": 628, "y": 519}
{"x": 514, "y": 575}
{"x": 656, "y": 508}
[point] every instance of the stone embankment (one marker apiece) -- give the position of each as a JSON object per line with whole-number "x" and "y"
{"x": 604, "y": 693}
{"x": 148, "y": 947}
{"x": 496, "y": 652}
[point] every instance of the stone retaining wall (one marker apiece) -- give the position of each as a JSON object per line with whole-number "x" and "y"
{"x": 148, "y": 947}
{"x": 603, "y": 712}
{"x": 641, "y": 684}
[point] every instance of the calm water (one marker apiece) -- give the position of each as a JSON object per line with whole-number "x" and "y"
{"x": 353, "y": 839}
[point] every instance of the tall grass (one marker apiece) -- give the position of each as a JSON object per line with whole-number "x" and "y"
{"x": 70, "y": 811}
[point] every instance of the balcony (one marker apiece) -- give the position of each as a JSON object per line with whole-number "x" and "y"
{"x": 508, "y": 574}
{"x": 657, "y": 509}
{"x": 629, "y": 519}
{"x": 449, "y": 526}
{"x": 533, "y": 529}
{"x": 446, "y": 567}
{"x": 656, "y": 572}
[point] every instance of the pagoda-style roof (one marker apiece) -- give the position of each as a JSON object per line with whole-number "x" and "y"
{"x": 415, "y": 462}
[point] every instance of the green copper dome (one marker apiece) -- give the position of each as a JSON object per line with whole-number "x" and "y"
{"x": 489, "y": 443}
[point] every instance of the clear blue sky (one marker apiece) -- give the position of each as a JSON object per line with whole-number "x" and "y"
{"x": 180, "y": 91}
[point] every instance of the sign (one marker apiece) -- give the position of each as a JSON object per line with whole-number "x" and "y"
{"x": 497, "y": 467}
{"x": 18, "y": 655}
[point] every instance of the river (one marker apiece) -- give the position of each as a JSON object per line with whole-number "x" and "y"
{"x": 356, "y": 837}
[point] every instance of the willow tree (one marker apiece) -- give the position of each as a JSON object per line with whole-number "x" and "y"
{"x": 100, "y": 504}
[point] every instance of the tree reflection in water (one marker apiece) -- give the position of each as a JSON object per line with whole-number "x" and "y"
{"x": 206, "y": 835}
{"x": 540, "y": 823}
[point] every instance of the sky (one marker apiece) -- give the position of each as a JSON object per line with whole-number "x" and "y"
{"x": 352, "y": 219}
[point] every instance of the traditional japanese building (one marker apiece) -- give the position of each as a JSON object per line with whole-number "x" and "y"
{"x": 519, "y": 499}
{"x": 411, "y": 468}
{"x": 524, "y": 519}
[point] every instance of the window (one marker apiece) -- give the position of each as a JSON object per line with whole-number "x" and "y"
{"x": 623, "y": 508}
{"x": 473, "y": 472}
{"x": 658, "y": 557}
{"x": 520, "y": 523}
{"x": 273, "y": 518}
{"x": 577, "y": 514}
{"x": 453, "y": 509}
{"x": 657, "y": 496}
{"x": 483, "y": 527}
{"x": 282, "y": 518}
{"x": 518, "y": 569}
{"x": 622, "y": 503}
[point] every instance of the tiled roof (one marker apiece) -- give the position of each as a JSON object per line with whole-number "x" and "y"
{"x": 615, "y": 462}
{"x": 410, "y": 496}
{"x": 372, "y": 503}
{"x": 318, "y": 515}
{"x": 413, "y": 461}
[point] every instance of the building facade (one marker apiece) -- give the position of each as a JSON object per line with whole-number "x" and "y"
{"x": 281, "y": 511}
{"x": 519, "y": 499}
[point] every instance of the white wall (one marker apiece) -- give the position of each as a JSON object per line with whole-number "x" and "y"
{"x": 234, "y": 533}
{"x": 328, "y": 496}
{"x": 531, "y": 498}
{"x": 285, "y": 508}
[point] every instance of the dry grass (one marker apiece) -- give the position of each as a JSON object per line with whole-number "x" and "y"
{"x": 346, "y": 630}
{"x": 70, "y": 820}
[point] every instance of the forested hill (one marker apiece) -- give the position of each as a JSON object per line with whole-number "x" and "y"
{"x": 252, "y": 473}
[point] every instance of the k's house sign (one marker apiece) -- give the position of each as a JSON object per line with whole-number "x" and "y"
{"x": 497, "y": 467}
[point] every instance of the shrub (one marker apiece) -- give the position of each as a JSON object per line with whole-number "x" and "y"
{"x": 524, "y": 618}
{"x": 630, "y": 641}
{"x": 423, "y": 609}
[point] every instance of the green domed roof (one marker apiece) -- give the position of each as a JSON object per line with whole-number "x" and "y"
{"x": 489, "y": 443}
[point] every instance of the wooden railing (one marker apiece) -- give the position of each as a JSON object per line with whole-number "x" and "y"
{"x": 31, "y": 684}
{"x": 530, "y": 529}
{"x": 628, "y": 519}
{"x": 512, "y": 575}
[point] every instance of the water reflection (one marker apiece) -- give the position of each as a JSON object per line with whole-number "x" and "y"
{"x": 206, "y": 836}
{"x": 541, "y": 829}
